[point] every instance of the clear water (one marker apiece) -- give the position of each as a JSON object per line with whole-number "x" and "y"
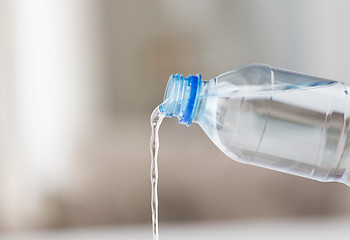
{"x": 302, "y": 131}
{"x": 156, "y": 120}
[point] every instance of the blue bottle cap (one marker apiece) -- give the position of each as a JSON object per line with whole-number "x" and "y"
{"x": 181, "y": 97}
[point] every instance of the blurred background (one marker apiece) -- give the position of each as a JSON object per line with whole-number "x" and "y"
{"x": 80, "y": 78}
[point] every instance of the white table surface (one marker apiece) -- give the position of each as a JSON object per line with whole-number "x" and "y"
{"x": 263, "y": 229}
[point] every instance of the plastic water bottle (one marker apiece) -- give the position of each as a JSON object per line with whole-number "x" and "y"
{"x": 269, "y": 117}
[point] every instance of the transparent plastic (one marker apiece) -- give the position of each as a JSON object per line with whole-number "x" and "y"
{"x": 274, "y": 118}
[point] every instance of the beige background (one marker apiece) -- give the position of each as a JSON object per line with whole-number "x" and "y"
{"x": 79, "y": 79}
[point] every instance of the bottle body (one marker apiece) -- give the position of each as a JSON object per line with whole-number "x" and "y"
{"x": 280, "y": 120}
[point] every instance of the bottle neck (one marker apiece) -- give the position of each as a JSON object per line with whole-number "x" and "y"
{"x": 181, "y": 97}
